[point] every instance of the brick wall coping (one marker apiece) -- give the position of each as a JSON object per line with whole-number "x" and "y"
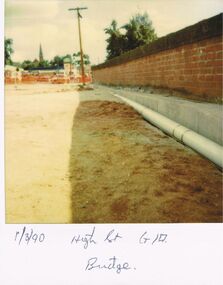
{"x": 208, "y": 28}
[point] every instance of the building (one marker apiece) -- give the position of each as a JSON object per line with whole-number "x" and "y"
{"x": 12, "y": 74}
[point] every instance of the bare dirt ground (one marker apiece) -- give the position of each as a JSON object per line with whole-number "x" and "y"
{"x": 124, "y": 170}
{"x": 99, "y": 162}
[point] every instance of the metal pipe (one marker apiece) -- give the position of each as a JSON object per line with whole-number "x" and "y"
{"x": 202, "y": 145}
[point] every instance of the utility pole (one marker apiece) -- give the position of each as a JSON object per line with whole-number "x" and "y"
{"x": 79, "y": 29}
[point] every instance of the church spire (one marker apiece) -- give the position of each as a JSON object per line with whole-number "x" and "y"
{"x": 40, "y": 54}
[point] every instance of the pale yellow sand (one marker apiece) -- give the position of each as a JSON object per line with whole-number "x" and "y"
{"x": 38, "y": 124}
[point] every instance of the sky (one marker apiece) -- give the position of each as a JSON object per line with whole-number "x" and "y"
{"x": 31, "y": 22}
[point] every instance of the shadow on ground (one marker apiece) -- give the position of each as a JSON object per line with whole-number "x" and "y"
{"x": 123, "y": 170}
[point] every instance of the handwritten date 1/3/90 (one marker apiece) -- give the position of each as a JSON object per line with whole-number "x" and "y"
{"x": 28, "y": 236}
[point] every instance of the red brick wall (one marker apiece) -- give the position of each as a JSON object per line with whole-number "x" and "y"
{"x": 195, "y": 68}
{"x": 189, "y": 60}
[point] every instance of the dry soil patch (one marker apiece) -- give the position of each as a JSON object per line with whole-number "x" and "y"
{"x": 123, "y": 170}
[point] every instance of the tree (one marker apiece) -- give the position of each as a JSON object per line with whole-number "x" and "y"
{"x": 57, "y": 61}
{"x": 27, "y": 64}
{"x": 116, "y": 41}
{"x": 44, "y": 64}
{"x": 77, "y": 59}
{"x": 35, "y": 63}
{"x": 139, "y": 31}
{"x": 8, "y": 51}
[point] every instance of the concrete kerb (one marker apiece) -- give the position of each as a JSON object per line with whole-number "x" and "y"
{"x": 201, "y": 144}
{"x": 205, "y": 119}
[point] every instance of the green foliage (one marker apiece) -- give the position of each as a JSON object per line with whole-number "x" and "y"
{"x": 43, "y": 64}
{"x": 68, "y": 56}
{"x": 77, "y": 59}
{"x": 27, "y": 64}
{"x": 116, "y": 41}
{"x": 8, "y": 51}
{"x": 139, "y": 31}
{"x": 57, "y": 62}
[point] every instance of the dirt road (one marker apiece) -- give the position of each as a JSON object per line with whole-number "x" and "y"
{"x": 98, "y": 162}
{"x": 38, "y": 123}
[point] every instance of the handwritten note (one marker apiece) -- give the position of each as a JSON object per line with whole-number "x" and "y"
{"x": 86, "y": 240}
{"x": 29, "y": 236}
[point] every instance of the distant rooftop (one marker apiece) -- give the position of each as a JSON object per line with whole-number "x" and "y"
{"x": 67, "y": 60}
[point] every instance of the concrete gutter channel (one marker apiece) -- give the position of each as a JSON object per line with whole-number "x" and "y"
{"x": 198, "y": 125}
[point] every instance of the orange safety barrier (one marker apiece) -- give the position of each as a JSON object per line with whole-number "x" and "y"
{"x": 28, "y": 79}
{"x": 9, "y": 80}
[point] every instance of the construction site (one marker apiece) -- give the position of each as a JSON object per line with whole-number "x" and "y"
{"x": 137, "y": 139}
